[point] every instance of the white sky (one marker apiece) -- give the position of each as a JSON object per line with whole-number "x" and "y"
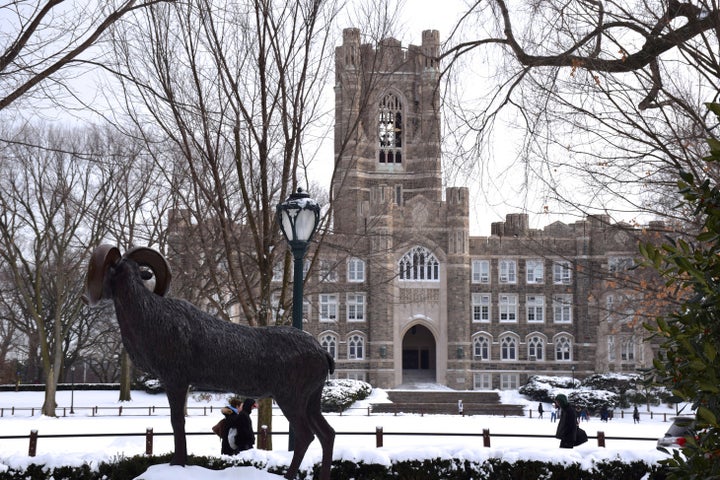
{"x": 501, "y": 196}
{"x": 57, "y": 452}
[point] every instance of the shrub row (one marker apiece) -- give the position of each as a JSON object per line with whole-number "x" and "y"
{"x": 447, "y": 469}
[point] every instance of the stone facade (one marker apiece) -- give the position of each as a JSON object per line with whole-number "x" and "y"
{"x": 406, "y": 294}
{"x": 401, "y": 293}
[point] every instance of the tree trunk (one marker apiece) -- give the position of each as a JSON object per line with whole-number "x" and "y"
{"x": 265, "y": 418}
{"x": 125, "y": 377}
{"x": 49, "y": 405}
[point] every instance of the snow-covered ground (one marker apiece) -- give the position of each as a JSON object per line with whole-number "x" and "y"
{"x": 75, "y": 451}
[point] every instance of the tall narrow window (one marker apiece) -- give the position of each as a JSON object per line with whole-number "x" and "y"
{"x": 355, "y": 270}
{"x": 481, "y": 348}
{"x": 390, "y": 129}
{"x": 562, "y": 308}
{"x": 508, "y": 348}
{"x": 356, "y": 347}
{"x": 563, "y": 348}
{"x": 480, "y": 271}
{"x": 508, "y": 271}
{"x": 535, "y": 271}
{"x": 480, "y": 307}
{"x": 419, "y": 264}
{"x": 355, "y": 307}
{"x": 329, "y": 343}
{"x": 536, "y": 348}
{"x": 507, "y": 307}
{"x": 535, "y": 307}
{"x": 562, "y": 273}
{"x": 328, "y": 306}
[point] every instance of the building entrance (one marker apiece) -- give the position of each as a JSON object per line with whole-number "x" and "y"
{"x": 418, "y": 355}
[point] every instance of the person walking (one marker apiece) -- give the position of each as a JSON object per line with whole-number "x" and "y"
{"x": 568, "y": 423}
{"x": 636, "y": 415}
{"x": 554, "y": 412}
{"x": 540, "y": 410}
{"x": 229, "y": 427}
{"x": 245, "y": 436}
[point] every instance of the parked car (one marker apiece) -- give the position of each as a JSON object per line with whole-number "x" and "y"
{"x": 675, "y": 436}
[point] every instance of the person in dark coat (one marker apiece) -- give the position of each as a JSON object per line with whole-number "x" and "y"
{"x": 245, "y": 436}
{"x": 568, "y": 424}
{"x": 540, "y": 410}
{"x": 636, "y": 415}
{"x": 230, "y": 426}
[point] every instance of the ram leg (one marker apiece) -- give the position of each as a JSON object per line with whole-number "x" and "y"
{"x": 176, "y": 399}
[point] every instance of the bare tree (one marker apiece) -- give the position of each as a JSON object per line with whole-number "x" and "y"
{"x": 57, "y": 200}
{"x": 607, "y": 95}
{"x": 40, "y": 40}
{"x": 231, "y": 89}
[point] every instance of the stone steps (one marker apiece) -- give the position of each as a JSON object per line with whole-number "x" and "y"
{"x": 446, "y": 402}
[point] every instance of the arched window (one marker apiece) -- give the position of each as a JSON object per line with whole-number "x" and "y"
{"x": 563, "y": 348}
{"x": 329, "y": 342}
{"x": 419, "y": 264}
{"x": 536, "y": 348}
{"x": 508, "y": 348}
{"x": 390, "y": 129}
{"x": 356, "y": 347}
{"x": 481, "y": 348}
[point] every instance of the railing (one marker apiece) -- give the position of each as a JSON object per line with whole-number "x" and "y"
{"x": 264, "y": 435}
{"x": 121, "y": 410}
{"x": 150, "y": 410}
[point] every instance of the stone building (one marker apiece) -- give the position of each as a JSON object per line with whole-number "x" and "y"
{"x": 401, "y": 293}
{"x": 405, "y": 294}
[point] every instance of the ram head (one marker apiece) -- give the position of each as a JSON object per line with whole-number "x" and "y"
{"x": 154, "y": 271}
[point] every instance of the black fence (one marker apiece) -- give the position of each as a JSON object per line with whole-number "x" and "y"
{"x": 264, "y": 435}
{"x": 121, "y": 410}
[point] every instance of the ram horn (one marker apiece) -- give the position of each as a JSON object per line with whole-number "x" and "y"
{"x": 156, "y": 262}
{"x": 103, "y": 256}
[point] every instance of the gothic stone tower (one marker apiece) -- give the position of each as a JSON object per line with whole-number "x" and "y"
{"x": 389, "y": 208}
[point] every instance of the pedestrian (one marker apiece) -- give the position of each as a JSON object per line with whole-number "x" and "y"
{"x": 460, "y": 407}
{"x": 228, "y": 426}
{"x": 604, "y": 413}
{"x": 554, "y": 412}
{"x": 245, "y": 435}
{"x": 636, "y": 415}
{"x": 540, "y": 410}
{"x": 568, "y": 423}
{"x": 584, "y": 414}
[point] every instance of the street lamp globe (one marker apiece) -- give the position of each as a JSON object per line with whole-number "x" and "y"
{"x": 298, "y": 217}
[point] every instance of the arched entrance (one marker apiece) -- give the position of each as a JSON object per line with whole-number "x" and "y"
{"x": 419, "y": 355}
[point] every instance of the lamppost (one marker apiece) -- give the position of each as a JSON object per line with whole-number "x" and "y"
{"x": 572, "y": 369}
{"x": 72, "y": 389}
{"x": 298, "y": 217}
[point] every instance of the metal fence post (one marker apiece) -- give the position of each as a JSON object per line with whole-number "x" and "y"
{"x": 263, "y": 438}
{"x": 149, "y": 441}
{"x": 378, "y": 436}
{"x": 486, "y": 437}
{"x": 32, "y": 449}
{"x": 601, "y": 439}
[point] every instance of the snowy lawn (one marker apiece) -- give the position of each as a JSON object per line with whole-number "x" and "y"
{"x": 76, "y": 451}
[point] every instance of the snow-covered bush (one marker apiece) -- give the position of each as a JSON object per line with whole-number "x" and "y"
{"x": 593, "y": 400}
{"x": 607, "y": 389}
{"x": 543, "y": 388}
{"x": 340, "y": 394}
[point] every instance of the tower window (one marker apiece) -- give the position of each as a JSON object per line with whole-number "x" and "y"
{"x": 419, "y": 264}
{"x": 390, "y": 129}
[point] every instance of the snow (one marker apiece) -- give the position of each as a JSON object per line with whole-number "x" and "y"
{"x": 54, "y": 452}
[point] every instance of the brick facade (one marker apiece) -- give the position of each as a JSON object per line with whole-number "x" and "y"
{"x": 423, "y": 328}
